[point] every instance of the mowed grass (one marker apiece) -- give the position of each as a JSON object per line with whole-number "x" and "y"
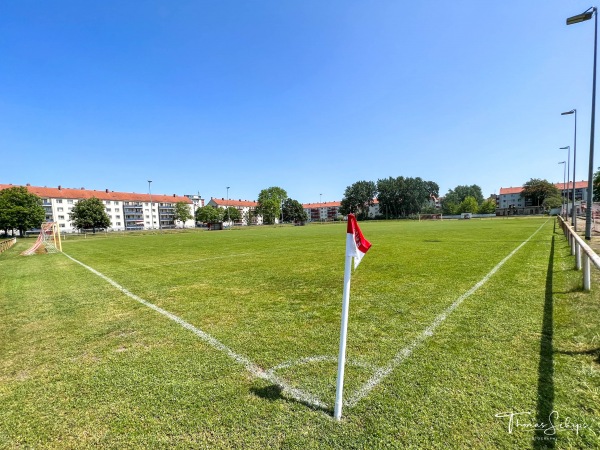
{"x": 83, "y": 365}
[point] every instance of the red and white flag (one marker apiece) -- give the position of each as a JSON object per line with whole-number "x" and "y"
{"x": 356, "y": 244}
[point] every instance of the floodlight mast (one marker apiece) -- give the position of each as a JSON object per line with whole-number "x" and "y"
{"x": 563, "y": 209}
{"x": 566, "y": 188}
{"x": 587, "y": 15}
{"x": 574, "y": 211}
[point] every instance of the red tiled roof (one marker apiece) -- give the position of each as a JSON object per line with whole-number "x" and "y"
{"x": 321, "y": 205}
{"x": 511, "y": 190}
{"x": 232, "y": 202}
{"x": 61, "y": 192}
{"x": 578, "y": 185}
{"x": 559, "y": 186}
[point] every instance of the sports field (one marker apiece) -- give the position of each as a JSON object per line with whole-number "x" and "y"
{"x": 229, "y": 339}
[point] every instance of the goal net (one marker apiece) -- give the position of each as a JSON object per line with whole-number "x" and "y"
{"x": 430, "y": 217}
{"x": 48, "y": 241}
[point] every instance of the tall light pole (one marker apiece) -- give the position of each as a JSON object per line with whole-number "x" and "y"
{"x": 587, "y": 15}
{"x": 564, "y": 163}
{"x": 228, "y": 207}
{"x": 320, "y": 208}
{"x": 574, "y": 212}
{"x": 566, "y": 188}
{"x": 150, "y": 192}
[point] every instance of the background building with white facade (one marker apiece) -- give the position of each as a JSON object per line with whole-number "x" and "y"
{"x": 126, "y": 210}
{"x": 247, "y": 209}
{"x": 510, "y": 200}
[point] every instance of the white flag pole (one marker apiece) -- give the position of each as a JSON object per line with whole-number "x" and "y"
{"x": 337, "y": 412}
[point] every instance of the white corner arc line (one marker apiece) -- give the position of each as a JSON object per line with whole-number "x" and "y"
{"x": 255, "y": 370}
{"x": 403, "y": 354}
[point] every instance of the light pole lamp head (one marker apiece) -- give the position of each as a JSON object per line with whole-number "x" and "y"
{"x": 586, "y": 15}
{"x": 565, "y": 148}
{"x": 566, "y": 113}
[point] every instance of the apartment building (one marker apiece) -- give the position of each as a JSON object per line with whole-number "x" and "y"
{"x": 126, "y": 210}
{"x": 247, "y": 209}
{"x": 511, "y": 202}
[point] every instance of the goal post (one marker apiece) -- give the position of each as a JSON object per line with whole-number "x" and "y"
{"x": 48, "y": 240}
{"x": 430, "y": 217}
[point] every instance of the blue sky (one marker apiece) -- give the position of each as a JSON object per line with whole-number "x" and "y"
{"x": 307, "y": 95}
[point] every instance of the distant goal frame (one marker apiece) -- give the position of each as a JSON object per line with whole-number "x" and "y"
{"x": 438, "y": 216}
{"x": 48, "y": 239}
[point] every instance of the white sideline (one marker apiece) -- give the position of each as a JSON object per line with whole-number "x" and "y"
{"x": 384, "y": 371}
{"x": 255, "y": 370}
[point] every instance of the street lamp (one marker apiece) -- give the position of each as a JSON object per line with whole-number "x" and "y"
{"x": 564, "y": 163}
{"x": 228, "y": 208}
{"x": 150, "y": 192}
{"x": 574, "y": 212}
{"x": 566, "y": 188}
{"x": 587, "y": 15}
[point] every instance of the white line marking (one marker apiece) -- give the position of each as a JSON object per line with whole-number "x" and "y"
{"x": 403, "y": 354}
{"x": 254, "y": 369}
{"x": 317, "y": 359}
{"x": 208, "y": 258}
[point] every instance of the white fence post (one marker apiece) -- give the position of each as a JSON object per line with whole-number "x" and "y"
{"x": 586, "y": 273}
{"x": 577, "y": 256}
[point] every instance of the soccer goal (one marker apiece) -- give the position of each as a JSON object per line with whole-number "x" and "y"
{"x": 430, "y": 217}
{"x": 47, "y": 241}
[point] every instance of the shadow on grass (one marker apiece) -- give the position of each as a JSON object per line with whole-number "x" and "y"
{"x": 545, "y": 391}
{"x": 274, "y": 392}
{"x": 593, "y": 352}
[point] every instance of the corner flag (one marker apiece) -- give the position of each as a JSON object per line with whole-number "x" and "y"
{"x": 356, "y": 247}
{"x": 356, "y": 244}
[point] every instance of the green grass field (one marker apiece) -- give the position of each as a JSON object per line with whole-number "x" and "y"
{"x": 84, "y": 365}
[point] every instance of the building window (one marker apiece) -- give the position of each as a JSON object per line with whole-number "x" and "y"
{"x": 61, "y": 217}
{"x": 118, "y": 217}
{"x": 107, "y": 202}
{"x": 59, "y": 209}
{"x": 117, "y": 210}
{"x": 115, "y": 203}
{"x": 108, "y": 210}
{"x": 70, "y": 202}
{"x": 118, "y": 223}
{"x": 62, "y": 225}
{"x": 59, "y": 200}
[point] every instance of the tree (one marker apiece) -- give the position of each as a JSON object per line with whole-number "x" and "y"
{"x": 468, "y": 205}
{"x": 269, "y": 203}
{"x": 209, "y": 214}
{"x": 554, "y": 201}
{"x": 182, "y": 213}
{"x": 401, "y": 197}
{"x": 249, "y": 215}
{"x": 20, "y": 209}
{"x": 357, "y": 199}
{"x": 293, "y": 211}
{"x": 450, "y": 208}
{"x": 459, "y": 193}
{"x": 90, "y": 213}
{"x": 596, "y": 186}
{"x": 537, "y": 190}
{"x": 232, "y": 214}
{"x": 487, "y": 207}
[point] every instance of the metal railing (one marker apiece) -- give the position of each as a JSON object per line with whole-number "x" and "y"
{"x": 583, "y": 253}
{"x": 6, "y": 244}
